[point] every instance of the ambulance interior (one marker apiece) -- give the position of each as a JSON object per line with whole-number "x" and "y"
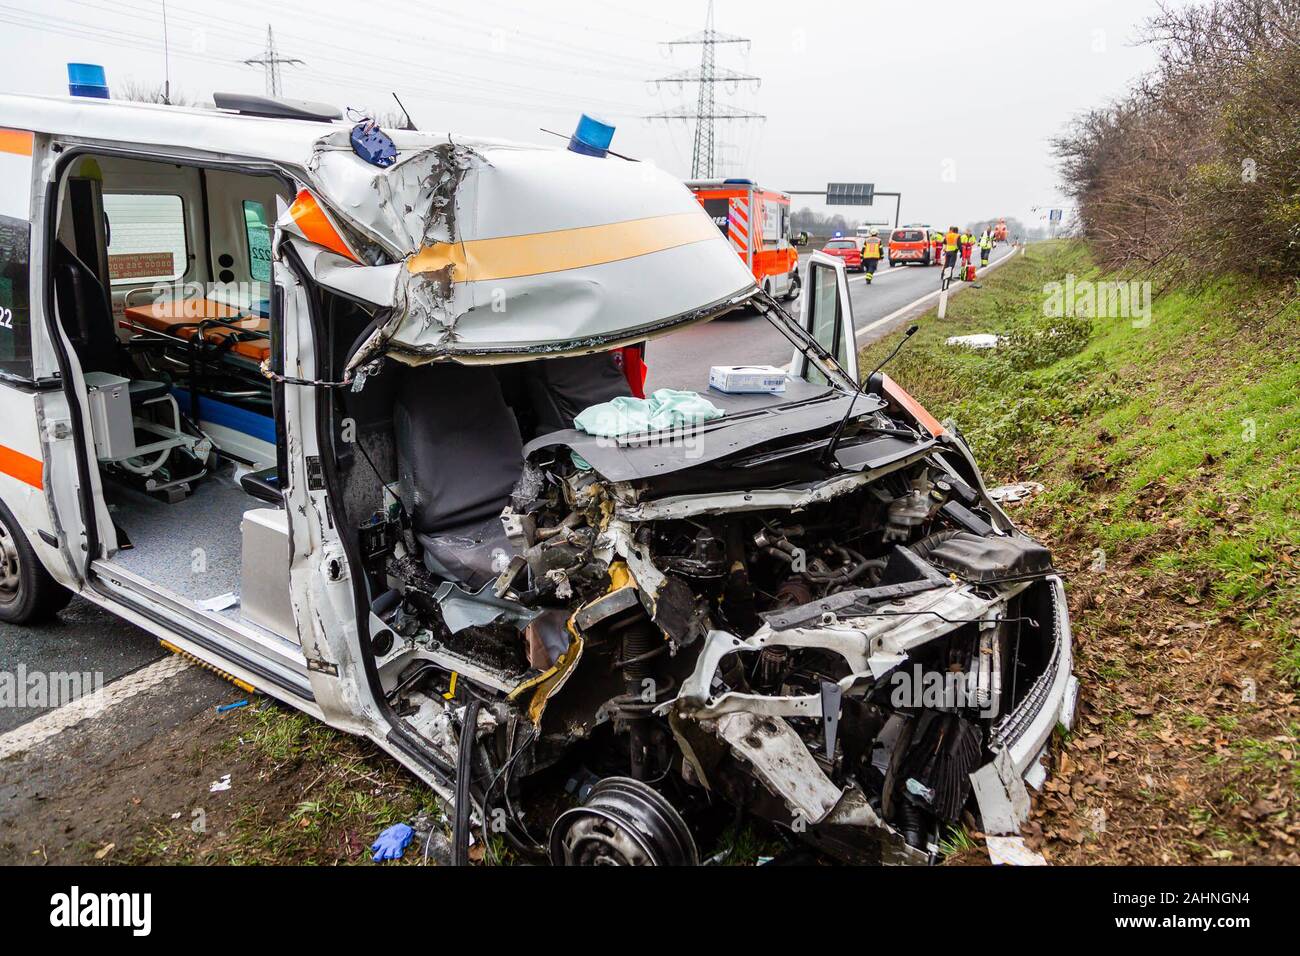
{"x": 162, "y": 287}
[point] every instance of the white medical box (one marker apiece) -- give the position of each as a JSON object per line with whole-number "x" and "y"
{"x": 110, "y": 415}
{"x": 747, "y": 378}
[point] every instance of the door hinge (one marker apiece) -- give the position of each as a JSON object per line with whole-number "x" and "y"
{"x": 58, "y": 430}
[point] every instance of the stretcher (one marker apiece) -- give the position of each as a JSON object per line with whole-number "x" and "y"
{"x": 215, "y": 352}
{"x": 222, "y": 330}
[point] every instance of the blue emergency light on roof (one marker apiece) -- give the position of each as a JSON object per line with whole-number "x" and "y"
{"x": 373, "y": 145}
{"x": 836, "y": 235}
{"x": 592, "y": 137}
{"x": 87, "y": 79}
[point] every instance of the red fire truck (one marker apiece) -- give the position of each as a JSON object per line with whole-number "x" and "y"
{"x": 757, "y": 221}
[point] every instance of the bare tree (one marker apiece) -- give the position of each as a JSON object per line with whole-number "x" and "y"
{"x": 1198, "y": 167}
{"x": 138, "y": 92}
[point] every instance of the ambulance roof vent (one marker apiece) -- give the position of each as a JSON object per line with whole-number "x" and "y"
{"x": 247, "y": 105}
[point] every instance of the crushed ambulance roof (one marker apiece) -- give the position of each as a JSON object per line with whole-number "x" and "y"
{"x": 472, "y": 249}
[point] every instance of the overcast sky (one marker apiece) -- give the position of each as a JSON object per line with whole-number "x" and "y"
{"x": 850, "y": 90}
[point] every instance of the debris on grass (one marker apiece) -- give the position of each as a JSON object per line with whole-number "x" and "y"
{"x": 1012, "y": 851}
{"x": 1019, "y": 491}
{"x": 979, "y": 340}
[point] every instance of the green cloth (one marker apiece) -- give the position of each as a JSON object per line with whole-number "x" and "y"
{"x": 664, "y": 410}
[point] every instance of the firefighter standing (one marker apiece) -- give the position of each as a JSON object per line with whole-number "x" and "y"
{"x": 986, "y": 247}
{"x": 872, "y": 252}
{"x": 936, "y": 248}
{"x": 951, "y": 245}
{"x": 967, "y": 243}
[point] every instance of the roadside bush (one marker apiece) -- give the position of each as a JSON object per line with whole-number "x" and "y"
{"x": 1197, "y": 170}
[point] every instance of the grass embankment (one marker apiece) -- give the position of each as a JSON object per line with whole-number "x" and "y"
{"x": 1170, "y": 456}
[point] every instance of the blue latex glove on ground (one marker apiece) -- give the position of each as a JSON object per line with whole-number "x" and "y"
{"x": 390, "y": 844}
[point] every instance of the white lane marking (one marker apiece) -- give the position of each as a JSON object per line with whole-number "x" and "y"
{"x": 883, "y": 272}
{"x": 91, "y": 705}
{"x": 928, "y": 296}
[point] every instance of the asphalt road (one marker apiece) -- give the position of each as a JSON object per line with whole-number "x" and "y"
{"x": 682, "y": 360}
{"x": 87, "y": 640}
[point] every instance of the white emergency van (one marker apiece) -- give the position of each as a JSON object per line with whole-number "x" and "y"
{"x": 357, "y": 417}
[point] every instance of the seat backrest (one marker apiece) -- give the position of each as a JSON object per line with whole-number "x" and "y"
{"x": 85, "y": 313}
{"x": 459, "y": 451}
{"x": 561, "y": 388}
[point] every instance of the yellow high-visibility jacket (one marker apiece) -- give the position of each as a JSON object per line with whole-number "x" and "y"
{"x": 950, "y": 241}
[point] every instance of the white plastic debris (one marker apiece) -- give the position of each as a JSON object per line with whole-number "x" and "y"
{"x": 219, "y": 785}
{"x": 980, "y": 340}
{"x": 221, "y": 602}
{"x": 1015, "y": 492}
{"x": 1011, "y": 851}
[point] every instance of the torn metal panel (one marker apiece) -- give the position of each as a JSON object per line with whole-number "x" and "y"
{"x": 872, "y": 645}
{"x": 781, "y": 762}
{"x": 462, "y": 608}
{"x": 1001, "y": 795}
{"x": 377, "y": 285}
{"x": 401, "y": 208}
{"x": 490, "y": 251}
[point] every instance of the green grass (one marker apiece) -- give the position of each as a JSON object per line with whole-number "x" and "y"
{"x": 956, "y": 840}
{"x": 341, "y": 794}
{"x": 1174, "y": 445}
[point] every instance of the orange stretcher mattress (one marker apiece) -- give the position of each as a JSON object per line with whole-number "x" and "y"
{"x": 181, "y": 319}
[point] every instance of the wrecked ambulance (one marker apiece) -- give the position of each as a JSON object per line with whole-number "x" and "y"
{"x": 347, "y": 376}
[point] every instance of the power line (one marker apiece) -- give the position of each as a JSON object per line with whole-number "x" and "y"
{"x": 471, "y": 89}
{"x": 707, "y": 112}
{"x": 270, "y": 62}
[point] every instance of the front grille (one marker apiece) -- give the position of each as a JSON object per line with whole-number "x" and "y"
{"x": 1014, "y": 724}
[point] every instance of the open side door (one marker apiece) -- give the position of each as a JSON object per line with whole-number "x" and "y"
{"x": 828, "y": 317}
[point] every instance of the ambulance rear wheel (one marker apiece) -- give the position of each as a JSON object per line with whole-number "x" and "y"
{"x": 28, "y": 594}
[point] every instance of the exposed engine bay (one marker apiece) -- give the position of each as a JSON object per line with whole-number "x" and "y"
{"x": 856, "y": 648}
